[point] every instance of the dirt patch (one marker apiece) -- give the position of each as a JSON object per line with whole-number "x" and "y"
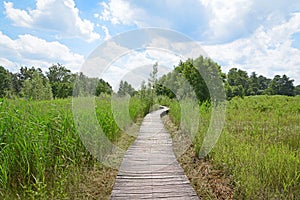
{"x": 208, "y": 182}
{"x": 96, "y": 183}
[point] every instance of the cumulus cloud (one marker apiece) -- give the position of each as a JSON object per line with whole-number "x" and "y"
{"x": 268, "y": 51}
{"x": 225, "y": 16}
{"x": 120, "y": 12}
{"x": 228, "y": 20}
{"x": 55, "y": 15}
{"x": 163, "y": 13}
{"x": 136, "y": 66}
{"x": 32, "y": 51}
{"x": 212, "y": 21}
{"x": 114, "y": 62}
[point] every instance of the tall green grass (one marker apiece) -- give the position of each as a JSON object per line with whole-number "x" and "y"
{"x": 259, "y": 147}
{"x": 38, "y": 145}
{"x": 41, "y": 153}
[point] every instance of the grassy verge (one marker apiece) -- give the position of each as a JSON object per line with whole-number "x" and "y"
{"x": 259, "y": 148}
{"x": 43, "y": 157}
{"x": 208, "y": 181}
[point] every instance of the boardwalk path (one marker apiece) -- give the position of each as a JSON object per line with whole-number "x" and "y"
{"x": 149, "y": 169}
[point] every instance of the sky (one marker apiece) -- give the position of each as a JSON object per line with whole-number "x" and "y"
{"x": 257, "y": 35}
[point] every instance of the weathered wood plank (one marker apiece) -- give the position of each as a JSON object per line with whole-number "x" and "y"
{"x": 149, "y": 169}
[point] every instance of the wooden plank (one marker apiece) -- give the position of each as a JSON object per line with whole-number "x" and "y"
{"x": 149, "y": 169}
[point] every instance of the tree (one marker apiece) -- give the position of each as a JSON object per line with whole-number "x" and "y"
{"x": 213, "y": 77}
{"x": 121, "y": 91}
{"x": 190, "y": 79}
{"x": 103, "y": 87}
{"x": 287, "y": 87}
{"x": 297, "y": 90}
{"x": 192, "y": 75}
{"x": 200, "y": 73}
{"x": 263, "y": 84}
{"x": 125, "y": 88}
{"x": 61, "y": 81}
{"x": 24, "y": 74}
{"x": 143, "y": 91}
{"x": 5, "y": 81}
{"x": 162, "y": 90}
{"x": 36, "y": 88}
{"x": 152, "y": 82}
{"x": 239, "y": 80}
{"x": 253, "y": 84}
{"x": 84, "y": 86}
{"x": 153, "y": 76}
{"x": 281, "y": 86}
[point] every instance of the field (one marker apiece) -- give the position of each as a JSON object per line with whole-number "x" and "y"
{"x": 43, "y": 157}
{"x": 41, "y": 153}
{"x": 259, "y": 148}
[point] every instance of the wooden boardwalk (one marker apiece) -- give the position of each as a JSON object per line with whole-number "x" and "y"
{"x": 149, "y": 169}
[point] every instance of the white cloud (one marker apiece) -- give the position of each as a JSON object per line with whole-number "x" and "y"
{"x": 7, "y": 63}
{"x": 225, "y": 16}
{"x": 127, "y": 12}
{"x": 55, "y": 15}
{"x": 215, "y": 21}
{"x": 32, "y": 51}
{"x": 268, "y": 51}
{"x": 121, "y": 12}
{"x": 229, "y": 20}
{"x": 136, "y": 66}
{"x": 106, "y": 31}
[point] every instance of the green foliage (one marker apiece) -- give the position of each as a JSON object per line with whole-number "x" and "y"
{"x": 103, "y": 87}
{"x": 237, "y": 77}
{"x": 41, "y": 151}
{"x": 38, "y": 146}
{"x": 259, "y": 147}
{"x": 190, "y": 71}
{"x": 146, "y": 96}
{"x": 281, "y": 86}
{"x": 165, "y": 100}
{"x": 138, "y": 108}
{"x": 190, "y": 79}
{"x": 37, "y": 88}
{"x": 5, "y": 81}
{"x": 24, "y": 74}
{"x": 257, "y": 84}
{"x": 153, "y": 76}
{"x": 61, "y": 81}
{"x": 30, "y": 81}
{"x": 84, "y": 86}
{"x": 297, "y": 90}
{"x": 125, "y": 88}
{"x": 162, "y": 90}
{"x": 234, "y": 91}
{"x": 239, "y": 84}
{"x": 170, "y": 84}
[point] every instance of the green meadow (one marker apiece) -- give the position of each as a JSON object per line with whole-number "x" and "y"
{"x": 259, "y": 148}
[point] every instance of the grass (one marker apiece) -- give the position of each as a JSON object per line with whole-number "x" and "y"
{"x": 43, "y": 156}
{"x": 259, "y": 148}
{"x": 209, "y": 183}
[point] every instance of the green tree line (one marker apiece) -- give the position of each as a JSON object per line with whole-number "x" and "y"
{"x": 239, "y": 83}
{"x": 185, "y": 80}
{"x": 57, "y": 82}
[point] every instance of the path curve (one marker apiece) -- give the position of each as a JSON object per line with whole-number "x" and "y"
{"x": 149, "y": 169}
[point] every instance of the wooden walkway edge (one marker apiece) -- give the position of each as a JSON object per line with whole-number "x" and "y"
{"x": 149, "y": 169}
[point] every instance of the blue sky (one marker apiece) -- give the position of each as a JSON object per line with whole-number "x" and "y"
{"x": 258, "y": 35}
